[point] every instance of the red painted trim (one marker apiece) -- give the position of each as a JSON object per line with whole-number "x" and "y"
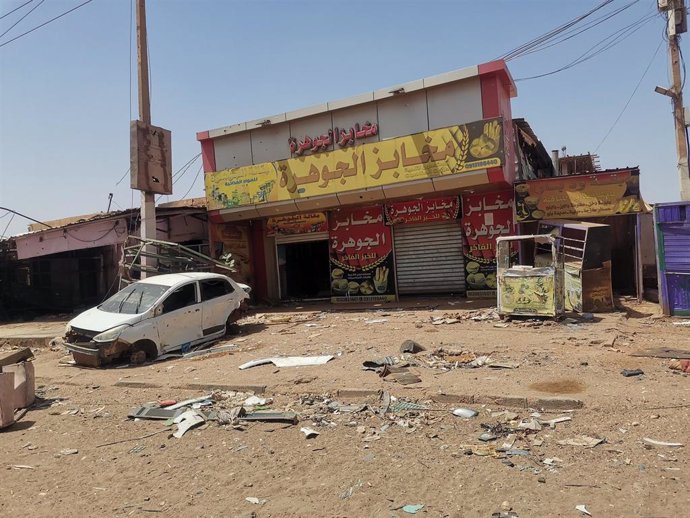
{"x": 495, "y": 175}
{"x": 500, "y": 69}
{"x": 490, "y": 101}
{"x": 260, "y": 287}
{"x": 215, "y": 217}
{"x": 202, "y": 135}
{"x": 208, "y": 155}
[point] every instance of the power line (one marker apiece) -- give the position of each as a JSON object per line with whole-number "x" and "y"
{"x": 20, "y": 19}
{"x": 25, "y": 216}
{"x": 123, "y": 177}
{"x": 45, "y": 23}
{"x": 15, "y": 9}
{"x": 193, "y": 182}
{"x": 551, "y": 34}
{"x": 631, "y": 96}
{"x": 7, "y": 226}
{"x": 599, "y": 47}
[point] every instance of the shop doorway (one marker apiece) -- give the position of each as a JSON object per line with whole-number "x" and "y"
{"x": 303, "y": 270}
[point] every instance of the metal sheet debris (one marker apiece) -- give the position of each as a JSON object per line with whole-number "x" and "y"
{"x": 187, "y": 421}
{"x": 289, "y": 361}
{"x": 653, "y": 442}
{"x": 465, "y": 412}
{"x": 309, "y": 433}
{"x": 582, "y": 440}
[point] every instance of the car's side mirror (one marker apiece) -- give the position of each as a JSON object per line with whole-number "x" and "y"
{"x": 158, "y": 311}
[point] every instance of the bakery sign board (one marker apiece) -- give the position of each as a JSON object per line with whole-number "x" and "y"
{"x": 438, "y": 153}
{"x": 422, "y": 211}
{"x": 579, "y": 196}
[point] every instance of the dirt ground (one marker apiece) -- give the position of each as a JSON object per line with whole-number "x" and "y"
{"x": 370, "y": 463}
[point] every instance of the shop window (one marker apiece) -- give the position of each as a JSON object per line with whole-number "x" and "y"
{"x": 180, "y": 298}
{"x": 214, "y": 288}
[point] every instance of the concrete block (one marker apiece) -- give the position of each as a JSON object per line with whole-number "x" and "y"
{"x": 6, "y": 399}
{"x": 24, "y": 383}
{"x": 356, "y": 393}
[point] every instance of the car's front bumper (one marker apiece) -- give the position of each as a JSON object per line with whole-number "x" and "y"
{"x": 96, "y": 354}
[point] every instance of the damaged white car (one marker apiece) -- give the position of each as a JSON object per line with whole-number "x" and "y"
{"x": 157, "y": 315}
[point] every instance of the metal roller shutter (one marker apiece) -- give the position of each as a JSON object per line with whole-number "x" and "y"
{"x": 428, "y": 258}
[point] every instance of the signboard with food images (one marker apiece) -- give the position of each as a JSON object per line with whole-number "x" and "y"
{"x": 529, "y": 294}
{"x": 297, "y": 224}
{"x": 422, "y": 211}
{"x": 579, "y": 196}
{"x": 232, "y": 240}
{"x": 484, "y": 218}
{"x": 430, "y": 154}
{"x": 361, "y": 254}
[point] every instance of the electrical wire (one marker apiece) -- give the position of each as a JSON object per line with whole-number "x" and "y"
{"x": 45, "y": 23}
{"x": 193, "y": 182}
{"x": 5, "y": 214}
{"x": 105, "y": 234}
{"x": 598, "y": 48}
{"x": 637, "y": 86}
{"x": 15, "y": 9}
{"x": 123, "y": 176}
{"x": 7, "y": 226}
{"x": 551, "y": 34}
{"x": 20, "y": 19}
{"x": 181, "y": 172}
{"x": 567, "y": 35}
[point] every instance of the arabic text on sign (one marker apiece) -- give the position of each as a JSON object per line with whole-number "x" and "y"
{"x": 337, "y": 136}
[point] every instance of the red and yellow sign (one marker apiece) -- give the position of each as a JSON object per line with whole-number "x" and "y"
{"x": 484, "y": 218}
{"x": 233, "y": 239}
{"x": 422, "y": 211}
{"x": 297, "y": 224}
{"x": 430, "y": 154}
{"x": 361, "y": 253}
{"x": 585, "y": 196}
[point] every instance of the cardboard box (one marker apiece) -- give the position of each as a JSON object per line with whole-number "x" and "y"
{"x": 24, "y": 383}
{"x": 6, "y": 399}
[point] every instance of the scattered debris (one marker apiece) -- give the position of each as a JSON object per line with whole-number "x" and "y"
{"x": 150, "y": 412}
{"x": 349, "y": 491}
{"x": 412, "y": 508}
{"x": 376, "y": 365}
{"x": 529, "y": 424}
{"x": 405, "y": 378}
{"x": 632, "y": 372}
{"x": 404, "y": 406}
{"x": 289, "y": 361}
{"x": 553, "y": 422}
{"x": 69, "y": 451}
{"x": 210, "y": 350}
{"x": 272, "y": 417}
{"x": 583, "y": 509}
{"x": 189, "y": 402}
{"x": 309, "y": 433}
{"x": 465, "y": 412}
{"x": 504, "y": 365}
{"x": 186, "y": 421}
{"x": 257, "y": 401}
{"x": 376, "y": 321}
{"x": 22, "y": 466}
{"x": 257, "y": 501}
{"x": 582, "y": 440}
{"x": 680, "y": 365}
{"x": 410, "y": 346}
{"x": 652, "y": 442}
{"x": 684, "y": 323}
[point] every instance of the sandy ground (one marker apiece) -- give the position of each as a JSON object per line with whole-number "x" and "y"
{"x": 367, "y": 464}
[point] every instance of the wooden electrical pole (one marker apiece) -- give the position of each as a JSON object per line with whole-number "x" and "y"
{"x": 677, "y": 21}
{"x": 148, "y": 199}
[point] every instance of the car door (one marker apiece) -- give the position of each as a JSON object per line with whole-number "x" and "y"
{"x": 218, "y": 301}
{"x": 179, "y": 324}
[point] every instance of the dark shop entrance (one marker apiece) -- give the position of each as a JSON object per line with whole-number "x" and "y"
{"x": 303, "y": 270}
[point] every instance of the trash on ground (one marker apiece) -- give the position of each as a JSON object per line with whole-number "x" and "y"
{"x": 149, "y": 412}
{"x": 653, "y": 442}
{"x": 189, "y": 402}
{"x": 349, "y": 491}
{"x": 582, "y": 440}
{"x": 289, "y": 361}
{"x": 376, "y": 321}
{"x": 210, "y": 350}
{"x": 405, "y": 406}
{"x": 405, "y": 378}
{"x": 504, "y": 365}
{"x": 186, "y": 421}
{"x": 530, "y": 424}
{"x": 583, "y": 509}
{"x": 683, "y": 323}
{"x": 69, "y": 451}
{"x": 309, "y": 433}
{"x": 272, "y": 417}
{"x": 410, "y": 346}
{"x": 632, "y": 372}
{"x": 553, "y": 422}
{"x": 257, "y": 401}
{"x": 680, "y": 365}
{"x": 412, "y": 508}
{"x": 465, "y": 412}
{"x": 486, "y": 437}
{"x": 375, "y": 365}
{"x": 257, "y": 501}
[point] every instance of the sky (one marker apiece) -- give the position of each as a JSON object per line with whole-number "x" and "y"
{"x": 68, "y": 90}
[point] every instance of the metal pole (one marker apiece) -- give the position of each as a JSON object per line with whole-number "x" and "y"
{"x": 677, "y": 100}
{"x": 148, "y": 201}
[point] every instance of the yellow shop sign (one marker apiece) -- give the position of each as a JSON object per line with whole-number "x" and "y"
{"x": 430, "y": 154}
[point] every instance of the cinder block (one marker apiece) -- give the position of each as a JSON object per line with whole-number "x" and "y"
{"x": 554, "y": 403}
{"x": 356, "y": 393}
{"x": 453, "y": 399}
{"x": 6, "y": 399}
{"x": 24, "y": 383}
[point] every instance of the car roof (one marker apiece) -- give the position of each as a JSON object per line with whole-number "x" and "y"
{"x": 172, "y": 279}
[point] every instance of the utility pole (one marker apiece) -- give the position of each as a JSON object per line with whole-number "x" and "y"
{"x": 148, "y": 199}
{"x": 677, "y": 24}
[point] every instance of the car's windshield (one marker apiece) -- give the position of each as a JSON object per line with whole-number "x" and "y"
{"x": 134, "y": 299}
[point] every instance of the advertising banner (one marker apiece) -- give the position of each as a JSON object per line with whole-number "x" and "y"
{"x": 430, "y": 154}
{"x": 528, "y": 295}
{"x": 582, "y": 196}
{"x": 484, "y": 218}
{"x": 297, "y": 224}
{"x": 234, "y": 240}
{"x": 361, "y": 256}
{"x": 422, "y": 211}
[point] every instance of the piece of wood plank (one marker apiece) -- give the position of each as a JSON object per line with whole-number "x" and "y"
{"x": 664, "y": 352}
{"x": 10, "y": 357}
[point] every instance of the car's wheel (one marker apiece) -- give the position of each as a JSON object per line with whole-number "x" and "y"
{"x": 142, "y": 351}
